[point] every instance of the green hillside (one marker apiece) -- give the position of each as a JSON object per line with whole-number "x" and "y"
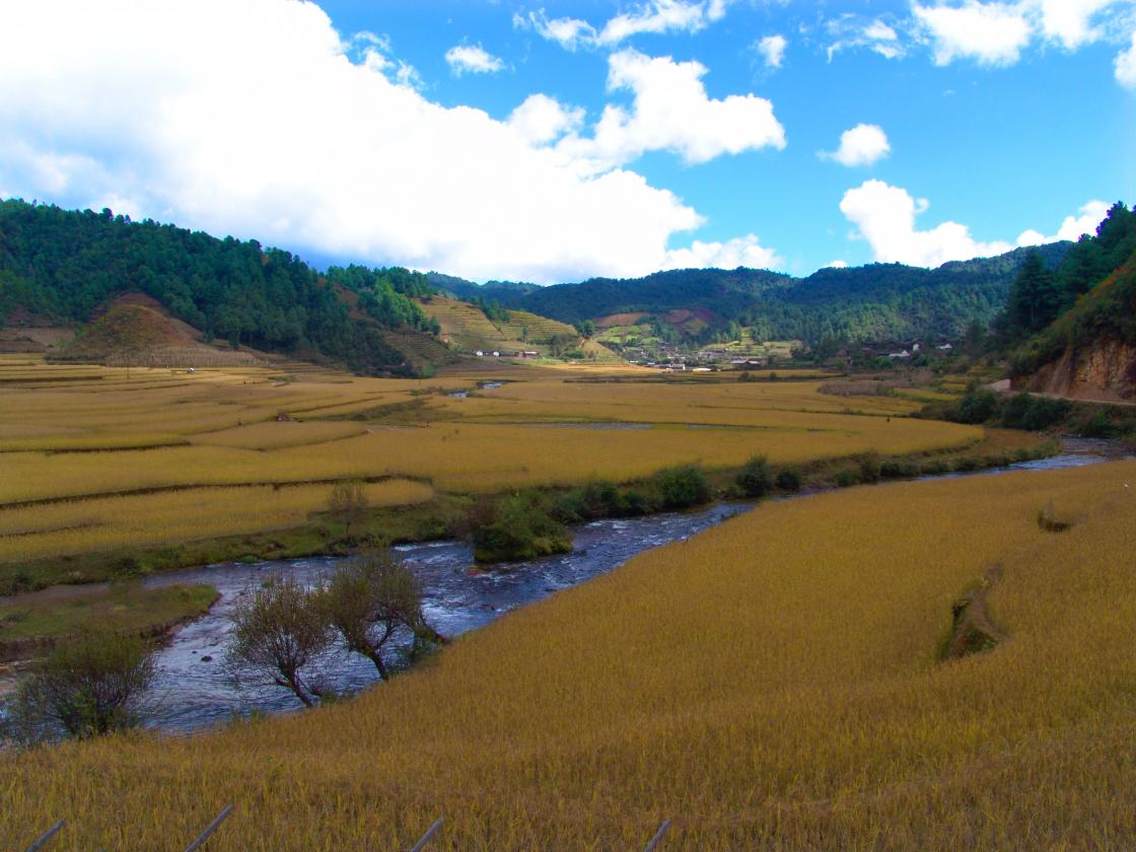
{"x": 868, "y": 303}
{"x": 467, "y": 328}
{"x": 61, "y": 267}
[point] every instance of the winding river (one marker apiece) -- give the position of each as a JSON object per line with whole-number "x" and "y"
{"x": 193, "y": 691}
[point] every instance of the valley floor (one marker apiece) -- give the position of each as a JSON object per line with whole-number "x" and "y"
{"x": 774, "y": 682}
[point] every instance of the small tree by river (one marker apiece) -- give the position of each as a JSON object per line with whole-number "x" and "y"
{"x": 368, "y": 599}
{"x": 87, "y": 685}
{"x": 278, "y": 631}
{"x": 348, "y": 503}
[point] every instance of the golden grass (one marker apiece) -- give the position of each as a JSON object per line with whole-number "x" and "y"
{"x": 772, "y": 683}
{"x": 273, "y": 435}
{"x": 82, "y": 526}
{"x": 219, "y": 427}
{"x": 476, "y": 457}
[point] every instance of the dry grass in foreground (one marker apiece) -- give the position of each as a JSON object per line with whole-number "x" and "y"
{"x": 772, "y": 683}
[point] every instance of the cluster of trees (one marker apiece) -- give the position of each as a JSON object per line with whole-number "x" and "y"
{"x": 283, "y": 629}
{"x": 61, "y": 265}
{"x": 1089, "y": 297}
{"x": 98, "y": 682}
{"x": 1039, "y": 294}
{"x": 386, "y": 294}
{"x": 492, "y": 310}
{"x": 874, "y": 302}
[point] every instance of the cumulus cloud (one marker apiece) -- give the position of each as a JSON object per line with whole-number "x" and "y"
{"x": 1125, "y": 66}
{"x": 885, "y": 216}
{"x": 257, "y": 120}
{"x": 1091, "y": 214}
{"x": 771, "y": 48}
{"x": 836, "y": 264}
{"x": 740, "y": 251}
{"x": 472, "y": 59}
{"x": 989, "y": 33}
{"x": 541, "y": 119}
{"x": 996, "y": 33}
{"x": 862, "y": 145}
{"x": 654, "y": 16}
{"x": 671, "y": 111}
{"x": 1070, "y": 21}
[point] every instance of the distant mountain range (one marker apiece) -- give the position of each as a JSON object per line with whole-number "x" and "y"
{"x": 874, "y": 302}
{"x": 60, "y": 267}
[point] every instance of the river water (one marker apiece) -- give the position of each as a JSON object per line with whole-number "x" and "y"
{"x": 193, "y": 690}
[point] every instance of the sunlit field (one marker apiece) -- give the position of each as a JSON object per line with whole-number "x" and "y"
{"x": 77, "y": 526}
{"x": 772, "y": 683}
{"x": 95, "y": 458}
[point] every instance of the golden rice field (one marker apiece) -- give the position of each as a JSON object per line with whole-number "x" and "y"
{"x": 96, "y": 436}
{"x": 79, "y": 526}
{"x": 772, "y": 683}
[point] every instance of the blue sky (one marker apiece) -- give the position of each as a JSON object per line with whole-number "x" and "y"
{"x": 471, "y": 136}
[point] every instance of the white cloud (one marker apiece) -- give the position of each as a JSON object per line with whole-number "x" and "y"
{"x": 862, "y": 145}
{"x": 659, "y": 16}
{"x": 372, "y": 50}
{"x": 671, "y": 112}
{"x": 472, "y": 59}
{"x": 836, "y": 264}
{"x": 1092, "y": 213}
{"x": 569, "y": 33}
{"x": 851, "y": 31}
{"x": 740, "y": 251}
{"x": 1125, "y": 66}
{"x": 989, "y": 33}
{"x": 256, "y": 121}
{"x": 653, "y": 16}
{"x": 772, "y": 50}
{"x": 1071, "y": 21}
{"x": 885, "y": 217}
{"x": 541, "y": 119}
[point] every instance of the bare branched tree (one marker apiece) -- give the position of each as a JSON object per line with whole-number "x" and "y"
{"x": 348, "y": 503}
{"x": 368, "y": 598}
{"x": 277, "y": 631}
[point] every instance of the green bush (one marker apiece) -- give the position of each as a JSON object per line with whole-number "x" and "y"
{"x": 1095, "y": 425}
{"x": 846, "y": 477}
{"x": 870, "y": 467}
{"x": 682, "y": 487}
{"x": 598, "y": 499}
{"x": 87, "y": 685}
{"x": 977, "y": 406}
{"x": 898, "y": 469}
{"x": 518, "y": 527}
{"x": 1034, "y": 413}
{"x": 755, "y": 478}
{"x": 637, "y": 503}
{"x": 935, "y": 467}
{"x": 789, "y": 479}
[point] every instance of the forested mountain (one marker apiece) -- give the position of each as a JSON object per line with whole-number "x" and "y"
{"x": 61, "y": 265}
{"x": 874, "y": 302}
{"x": 1074, "y": 327}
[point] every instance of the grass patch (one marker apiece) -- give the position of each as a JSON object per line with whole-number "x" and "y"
{"x": 124, "y": 607}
